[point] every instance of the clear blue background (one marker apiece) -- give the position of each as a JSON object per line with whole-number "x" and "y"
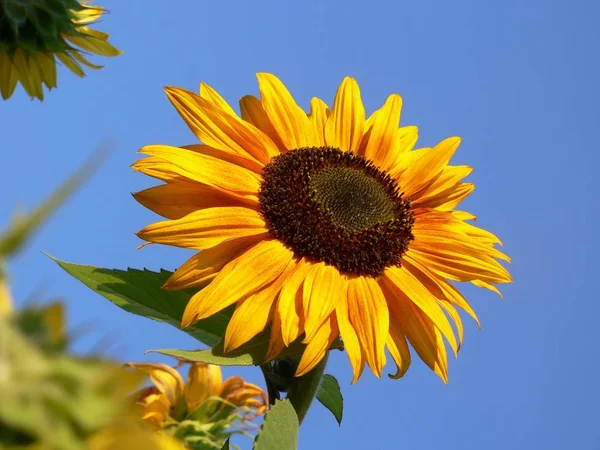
{"x": 518, "y": 80}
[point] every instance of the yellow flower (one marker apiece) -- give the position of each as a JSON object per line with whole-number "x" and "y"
{"x": 34, "y": 33}
{"x": 319, "y": 225}
{"x": 130, "y": 436}
{"x": 169, "y": 399}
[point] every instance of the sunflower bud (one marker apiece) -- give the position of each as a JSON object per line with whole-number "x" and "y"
{"x": 204, "y": 408}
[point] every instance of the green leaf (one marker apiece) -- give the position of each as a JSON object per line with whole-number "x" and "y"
{"x": 330, "y": 396}
{"x": 280, "y": 428}
{"x": 225, "y": 445}
{"x": 139, "y": 292}
{"x": 250, "y": 354}
{"x": 212, "y": 356}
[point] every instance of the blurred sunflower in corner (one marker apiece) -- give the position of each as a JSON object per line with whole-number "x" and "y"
{"x": 205, "y": 410}
{"x": 51, "y": 398}
{"x": 35, "y": 33}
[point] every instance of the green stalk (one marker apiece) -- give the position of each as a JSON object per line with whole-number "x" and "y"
{"x": 303, "y": 389}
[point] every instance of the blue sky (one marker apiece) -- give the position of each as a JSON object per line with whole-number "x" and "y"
{"x": 517, "y": 80}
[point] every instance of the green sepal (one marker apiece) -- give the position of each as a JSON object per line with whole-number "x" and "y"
{"x": 16, "y": 14}
{"x": 139, "y": 292}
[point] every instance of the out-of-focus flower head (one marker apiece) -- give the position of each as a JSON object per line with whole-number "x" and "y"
{"x": 34, "y": 34}
{"x": 203, "y": 408}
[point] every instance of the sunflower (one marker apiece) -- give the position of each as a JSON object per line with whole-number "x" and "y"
{"x": 319, "y": 225}
{"x": 34, "y": 33}
{"x": 203, "y": 397}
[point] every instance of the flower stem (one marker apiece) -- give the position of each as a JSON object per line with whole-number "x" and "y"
{"x": 303, "y": 389}
{"x": 272, "y": 392}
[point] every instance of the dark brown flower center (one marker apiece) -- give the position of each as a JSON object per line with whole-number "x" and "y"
{"x": 334, "y": 206}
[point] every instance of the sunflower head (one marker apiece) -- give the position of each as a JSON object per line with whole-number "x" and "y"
{"x": 203, "y": 405}
{"x": 35, "y": 32}
{"x": 320, "y": 225}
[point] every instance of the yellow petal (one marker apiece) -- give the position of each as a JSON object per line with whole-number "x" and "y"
{"x": 232, "y": 158}
{"x": 288, "y": 119}
{"x": 209, "y": 94}
{"x": 398, "y": 348}
{"x": 420, "y": 331}
{"x": 460, "y": 267}
{"x": 239, "y": 279}
{"x": 203, "y": 381}
{"x": 351, "y": 343}
{"x": 8, "y": 76}
{"x": 430, "y": 162}
{"x": 176, "y": 200}
{"x": 88, "y": 14}
{"x": 71, "y": 64}
{"x": 201, "y": 268}
{"x": 402, "y": 155}
{"x": 449, "y": 292}
{"x": 450, "y": 242}
{"x": 450, "y": 199}
{"x": 321, "y": 293}
{"x": 159, "y": 169}
{"x": 319, "y": 112}
{"x": 491, "y": 287}
{"x": 463, "y": 215}
{"x": 79, "y": 57}
{"x": 453, "y": 313}
{"x": 28, "y": 74}
{"x": 205, "y": 228}
{"x": 369, "y": 316}
{"x": 166, "y": 379}
{"x": 379, "y": 142}
{"x": 154, "y": 409}
{"x": 344, "y": 127}
{"x": 93, "y": 41}
{"x": 441, "y": 188}
{"x": 224, "y": 176}
{"x": 407, "y": 138}
{"x": 475, "y": 232}
{"x": 318, "y": 347}
{"x": 401, "y": 279}
{"x": 289, "y": 304}
{"x": 429, "y": 282}
{"x": 235, "y": 390}
{"x": 253, "y": 314}
{"x": 440, "y": 229}
{"x": 221, "y": 130}
{"x": 253, "y": 112}
{"x": 47, "y": 67}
